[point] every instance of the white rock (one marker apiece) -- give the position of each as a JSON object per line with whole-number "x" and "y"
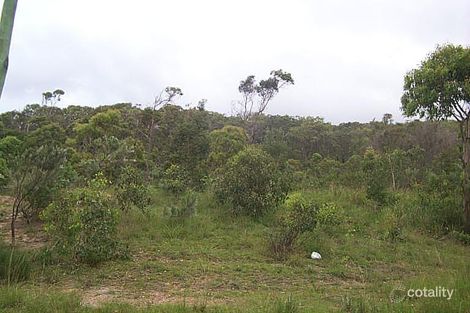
{"x": 315, "y": 255}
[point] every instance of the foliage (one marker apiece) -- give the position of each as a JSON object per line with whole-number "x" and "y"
{"x": 300, "y": 214}
{"x": 352, "y": 172}
{"x": 225, "y": 143}
{"x": 175, "y": 179}
{"x": 131, "y": 190}
{"x": 323, "y": 171}
{"x": 256, "y": 96}
{"x": 309, "y": 137}
{"x": 440, "y": 199}
{"x": 461, "y": 237}
{"x": 251, "y": 183}
{"x": 109, "y": 155}
{"x": 32, "y": 169}
{"x": 298, "y": 217}
{"x": 182, "y": 139}
{"x": 10, "y": 148}
{"x": 439, "y": 87}
{"x": 82, "y": 223}
{"x": 329, "y": 214}
{"x": 375, "y": 170}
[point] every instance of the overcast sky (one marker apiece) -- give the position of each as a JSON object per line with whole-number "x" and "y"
{"x": 348, "y": 58}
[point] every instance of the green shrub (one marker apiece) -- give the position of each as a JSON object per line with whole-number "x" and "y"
{"x": 131, "y": 191}
{"x": 15, "y": 265}
{"x": 175, "y": 179}
{"x": 83, "y": 223}
{"x": 298, "y": 217}
{"x": 461, "y": 237}
{"x": 440, "y": 199}
{"x": 375, "y": 170}
{"x": 251, "y": 183}
{"x": 225, "y": 143}
{"x": 300, "y": 214}
{"x": 329, "y": 214}
{"x": 323, "y": 171}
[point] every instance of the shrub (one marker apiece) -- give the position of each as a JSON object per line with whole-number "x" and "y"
{"x": 329, "y": 214}
{"x": 131, "y": 190}
{"x": 299, "y": 214}
{"x": 15, "y": 265}
{"x": 175, "y": 179}
{"x": 225, "y": 143}
{"x": 323, "y": 171}
{"x": 375, "y": 170}
{"x": 83, "y": 223}
{"x": 440, "y": 199}
{"x": 461, "y": 237}
{"x": 298, "y": 217}
{"x": 251, "y": 183}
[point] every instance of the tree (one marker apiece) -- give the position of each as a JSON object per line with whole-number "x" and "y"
{"x": 256, "y": 96}
{"x": 309, "y": 137}
{"x": 387, "y": 119}
{"x": 440, "y": 89}
{"x": 52, "y": 97}
{"x": 148, "y": 123}
{"x": 33, "y": 166}
{"x": 225, "y": 143}
{"x": 182, "y": 139}
{"x": 251, "y": 183}
{"x": 6, "y": 30}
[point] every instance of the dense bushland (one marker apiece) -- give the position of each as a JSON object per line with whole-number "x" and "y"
{"x": 49, "y": 149}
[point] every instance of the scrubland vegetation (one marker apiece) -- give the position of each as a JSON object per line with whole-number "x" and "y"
{"x": 168, "y": 209}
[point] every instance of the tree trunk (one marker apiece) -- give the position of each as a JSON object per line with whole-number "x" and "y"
{"x": 394, "y": 185}
{"x": 13, "y": 235}
{"x": 14, "y": 215}
{"x": 6, "y": 30}
{"x": 466, "y": 174}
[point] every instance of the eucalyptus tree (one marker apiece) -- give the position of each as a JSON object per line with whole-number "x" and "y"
{"x": 257, "y": 95}
{"x": 440, "y": 89}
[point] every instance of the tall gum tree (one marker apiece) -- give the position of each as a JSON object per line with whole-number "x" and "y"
{"x": 6, "y": 30}
{"x": 439, "y": 89}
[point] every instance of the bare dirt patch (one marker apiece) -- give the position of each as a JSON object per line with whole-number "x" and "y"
{"x": 29, "y": 236}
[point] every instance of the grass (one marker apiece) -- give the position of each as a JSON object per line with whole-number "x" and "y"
{"x": 212, "y": 262}
{"x": 14, "y": 265}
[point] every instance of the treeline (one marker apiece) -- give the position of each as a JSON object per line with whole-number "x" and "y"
{"x": 173, "y": 135}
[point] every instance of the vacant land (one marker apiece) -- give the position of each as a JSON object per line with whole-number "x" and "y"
{"x": 211, "y": 262}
